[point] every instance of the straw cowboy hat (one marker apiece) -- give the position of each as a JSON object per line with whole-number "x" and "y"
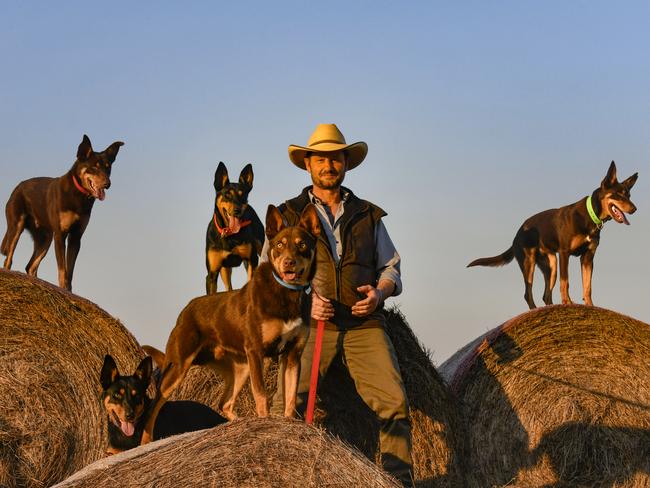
{"x": 328, "y": 138}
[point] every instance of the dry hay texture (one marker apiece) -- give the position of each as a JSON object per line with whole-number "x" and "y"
{"x": 52, "y": 346}
{"x": 558, "y": 396}
{"x": 251, "y": 452}
{"x": 342, "y": 412}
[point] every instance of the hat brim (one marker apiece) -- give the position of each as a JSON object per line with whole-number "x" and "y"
{"x": 354, "y": 153}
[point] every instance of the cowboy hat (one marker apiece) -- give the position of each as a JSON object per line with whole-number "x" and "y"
{"x": 328, "y": 138}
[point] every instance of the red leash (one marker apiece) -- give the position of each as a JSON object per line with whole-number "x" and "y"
{"x": 313, "y": 382}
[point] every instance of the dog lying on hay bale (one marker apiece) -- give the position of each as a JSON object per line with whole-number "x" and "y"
{"x": 343, "y": 413}
{"x": 559, "y": 396}
{"x": 52, "y": 345}
{"x": 251, "y": 452}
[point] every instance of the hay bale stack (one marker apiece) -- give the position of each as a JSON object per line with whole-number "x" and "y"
{"x": 558, "y": 396}
{"x": 344, "y": 414}
{"x": 52, "y": 346}
{"x": 250, "y": 452}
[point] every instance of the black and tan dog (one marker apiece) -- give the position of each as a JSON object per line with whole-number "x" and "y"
{"x": 127, "y": 405}
{"x": 572, "y": 230}
{"x": 233, "y": 331}
{"x": 235, "y": 233}
{"x": 59, "y": 209}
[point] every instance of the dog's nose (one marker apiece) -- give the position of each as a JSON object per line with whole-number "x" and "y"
{"x": 108, "y": 184}
{"x": 289, "y": 262}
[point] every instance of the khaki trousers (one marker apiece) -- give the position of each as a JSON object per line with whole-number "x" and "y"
{"x": 370, "y": 358}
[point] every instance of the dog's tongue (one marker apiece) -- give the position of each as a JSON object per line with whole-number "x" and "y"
{"x": 289, "y": 276}
{"x": 128, "y": 428}
{"x": 619, "y": 215}
{"x": 101, "y": 194}
{"x": 234, "y": 224}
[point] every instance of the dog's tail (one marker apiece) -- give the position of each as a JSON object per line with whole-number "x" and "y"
{"x": 157, "y": 355}
{"x": 499, "y": 260}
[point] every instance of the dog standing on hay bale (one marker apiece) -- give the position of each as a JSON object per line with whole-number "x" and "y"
{"x": 59, "y": 209}
{"x": 572, "y": 230}
{"x": 233, "y": 331}
{"x": 235, "y": 233}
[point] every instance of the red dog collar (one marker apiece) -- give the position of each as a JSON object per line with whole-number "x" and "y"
{"x": 80, "y": 188}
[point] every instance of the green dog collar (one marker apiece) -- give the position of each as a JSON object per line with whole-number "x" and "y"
{"x": 592, "y": 214}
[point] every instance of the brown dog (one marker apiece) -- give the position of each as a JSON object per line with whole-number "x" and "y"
{"x": 58, "y": 208}
{"x": 233, "y": 331}
{"x": 572, "y": 230}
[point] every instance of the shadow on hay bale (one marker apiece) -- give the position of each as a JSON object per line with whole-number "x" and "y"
{"x": 52, "y": 346}
{"x": 558, "y": 396}
{"x": 342, "y": 412}
{"x": 251, "y": 452}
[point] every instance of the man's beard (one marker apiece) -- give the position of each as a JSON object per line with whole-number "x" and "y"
{"x": 328, "y": 184}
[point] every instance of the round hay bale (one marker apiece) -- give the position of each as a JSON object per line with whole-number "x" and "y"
{"x": 252, "y": 452}
{"x": 52, "y": 347}
{"x": 344, "y": 414}
{"x": 558, "y": 396}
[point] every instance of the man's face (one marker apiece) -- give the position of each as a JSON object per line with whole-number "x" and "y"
{"x": 327, "y": 169}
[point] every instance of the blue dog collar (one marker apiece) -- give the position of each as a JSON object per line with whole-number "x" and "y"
{"x": 306, "y": 288}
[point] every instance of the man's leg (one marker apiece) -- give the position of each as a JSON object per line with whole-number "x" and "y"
{"x": 329, "y": 350}
{"x": 371, "y": 360}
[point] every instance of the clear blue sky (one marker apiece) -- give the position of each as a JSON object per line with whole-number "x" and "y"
{"x": 477, "y": 115}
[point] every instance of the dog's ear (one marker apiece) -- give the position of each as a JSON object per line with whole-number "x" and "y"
{"x": 610, "y": 177}
{"x": 85, "y": 149}
{"x": 109, "y": 372}
{"x": 246, "y": 176}
{"x": 629, "y": 183}
{"x": 144, "y": 370}
{"x": 112, "y": 150}
{"x": 274, "y": 222}
{"x": 220, "y": 177}
{"x": 309, "y": 220}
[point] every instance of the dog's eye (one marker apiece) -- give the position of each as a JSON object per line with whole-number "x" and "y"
{"x": 302, "y": 246}
{"x": 116, "y": 395}
{"x": 279, "y": 245}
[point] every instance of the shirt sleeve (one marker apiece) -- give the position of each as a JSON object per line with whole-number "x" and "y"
{"x": 388, "y": 259}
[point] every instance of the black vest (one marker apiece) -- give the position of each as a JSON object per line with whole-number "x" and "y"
{"x": 358, "y": 263}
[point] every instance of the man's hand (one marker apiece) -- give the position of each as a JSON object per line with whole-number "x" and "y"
{"x": 374, "y": 297}
{"x": 321, "y": 308}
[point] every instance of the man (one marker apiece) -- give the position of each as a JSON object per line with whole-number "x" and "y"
{"x": 357, "y": 268}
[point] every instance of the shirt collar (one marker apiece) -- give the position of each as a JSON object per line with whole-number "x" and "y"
{"x": 345, "y": 195}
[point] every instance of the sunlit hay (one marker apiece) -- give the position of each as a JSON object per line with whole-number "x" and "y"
{"x": 52, "y": 346}
{"x": 251, "y": 452}
{"x": 558, "y": 396}
{"x": 344, "y": 414}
